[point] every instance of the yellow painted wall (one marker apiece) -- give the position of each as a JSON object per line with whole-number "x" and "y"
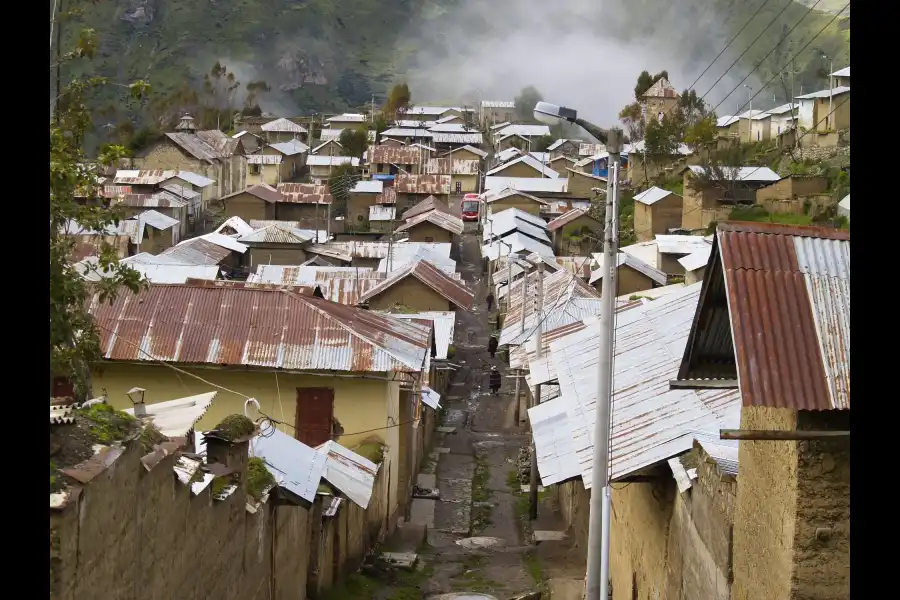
{"x": 691, "y": 277}
{"x": 275, "y": 254}
{"x": 429, "y": 232}
{"x": 464, "y": 155}
{"x": 358, "y": 206}
{"x": 248, "y": 206}
{"x": 268, "y": 174}
{"x": 516, "y": 201}
{"x": 580, "y": 184}
{"x": 468, "y": 183}
{"x": 628, "y": 281}
{"x": 166, "y": 155}
{"x": 412, "y": 293}
{"x": 839, "y": 120}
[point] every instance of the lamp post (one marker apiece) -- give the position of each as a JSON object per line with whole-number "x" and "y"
{"x": 829, "y": 117}
{"x": 597, "y": 576}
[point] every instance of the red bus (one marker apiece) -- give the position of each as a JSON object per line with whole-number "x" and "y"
{"x": 470, "y": 207}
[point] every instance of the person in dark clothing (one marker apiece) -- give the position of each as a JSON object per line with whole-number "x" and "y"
{"x": 490, "y": 300}
{"x": 495, "y": 381}
{"x": 492, "y": 346}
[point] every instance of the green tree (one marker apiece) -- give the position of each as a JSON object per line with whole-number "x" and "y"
{"x": 343, "y": 178}
{"x": 380, "y": 124}
{"x": 354, "y": 141}
{"x": 701, "y": 134}
{"x": 254, "y": 90}
{"x": 645, "y": 81}
{"x": 74, "y": 337}
{"x": 661, "y": 138}
{"x": 398, "y": 100}
{"x": 542, "y": 143}
{"x": 525, "y": 101}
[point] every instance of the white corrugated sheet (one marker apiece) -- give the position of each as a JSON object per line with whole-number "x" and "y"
{"x": 518, "y": 243}
{"x": 444, "y": 324}
{"x": 380, "y": 212}
{"x": 195, "y": 179}
{"x": 319, "y": 160}
{"x": 237, "y": 224}
{"x": 163, "y": 273}
{"x": 524, "y": 130}
{"x": 645, "y": 251}
{"x": 431, "y": 397}
{"x": 176, "y": 418}
{"x": 368, "y": 187}
{"x": 651, "y": 422}
{"x": 514, "y": 213}
{"x": 532, "y": 162}
{"x": 743, "y": 173}
{"x": 294, "y": 465}
{"x": 724, "y": 452}
{"x": 628, "y": 260}
{"x": 497, "y": 228}
{"x": 224, "y": 241}
{"x": 552, "y": 432}
{"x": 527, "y": 184}
{"x": 681, "y": 244}
{"x": 349, "y": 472}
{"x": 652, "y": 195}
{"x": 696, "y": 260}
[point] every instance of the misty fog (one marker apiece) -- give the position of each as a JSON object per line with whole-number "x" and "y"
{"x": 585, "y": 54}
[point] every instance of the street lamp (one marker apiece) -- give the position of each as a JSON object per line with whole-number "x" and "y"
{"x": 136, "y": 395}
{"x": 552, "y": 114}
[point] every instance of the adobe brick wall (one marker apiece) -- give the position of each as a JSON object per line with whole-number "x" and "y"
{"x": 139, "y": 535}
{"x": 765, "y": 513}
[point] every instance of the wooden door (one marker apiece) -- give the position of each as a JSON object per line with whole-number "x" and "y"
{"x": 315, "y": 411}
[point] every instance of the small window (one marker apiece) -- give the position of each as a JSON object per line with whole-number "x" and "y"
{"x": 254, "y": 169}
{"x": 429, "y": 239}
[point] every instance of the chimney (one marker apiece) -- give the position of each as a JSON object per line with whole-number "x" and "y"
{"x": 186, "y": 124}
{"x": 136, "y": 395}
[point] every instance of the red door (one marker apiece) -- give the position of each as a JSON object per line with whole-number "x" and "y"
{"x": 315, "y": 411}
{"x": 63, "y": 388}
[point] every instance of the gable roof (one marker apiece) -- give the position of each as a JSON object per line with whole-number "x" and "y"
{"x": 275, "y": 234}
{"x": 845, "y": 72}
{"x": 290, "y": 148}
{"x": 525, "y": 130}
{"x": 567, "y": 217}
{"x": 493, "y": 196}
{"x": 661, "y": 89}
{"x": 144, "y": 177}
{"x": 652, "y": 196}
{"x": 195, "y": 146}
{"x": 631, "y": 261}
{"x": 755, "y": 174}
{"x": 323, "y": 144}
{"x": 528, "y": 184}
{"x": 240, "y": 226}
{"x": 508, "y": 154}
{"x": 195, "y": 179}
{"x": 454, "y": 291}
{"x": 824, "y": 93}
{"x": 283, "y": 125}
{"x": 775, "y": 314}
{"x": 560, "y": 142}
{"x": 510, "y": 220}
{"x": 262, "y": 191}
{"x": 347, "y": 118}
{"x": 304, "y": 193}
{"x": 211, "y": 324}
{"x": 439, "y": 218}
{"x": 428, "y": 204}
{"x": 529, "y": 160}
{"x": 472, "y": 149}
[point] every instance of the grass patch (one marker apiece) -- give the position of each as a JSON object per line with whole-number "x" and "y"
{"x": 258, "y": 477}
{"x": 373, "y": 451}
{"x": 758, "y": 214}
{"x": 150, "y": 437}
{"x": 106, "y": 424}
{"x": 234, "y": 427}
{"x": 397, "y": 585}
{"x": 472, "y": 578}
{"x": 534, "y": 567}
{"x": 481, "y": 515}
{"x": 52, "y": 474}
{"x": 512, "y": 480}
{"x": 218, "y": 485}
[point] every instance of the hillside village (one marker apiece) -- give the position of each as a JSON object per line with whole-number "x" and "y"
{"x": 297, "y": 403}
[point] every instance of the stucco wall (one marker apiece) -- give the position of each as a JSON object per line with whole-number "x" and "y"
{"x": 657, "y": 218}
{"x": 412, "y": 293}
{"x": 628, "y": 281}
{"x": 581, "y": 184}
{"x": 247, "y": 206}
{"x": 520, "y": 202}
{"x": 467, "y": 183}
{"x": 764, "y": 518}
{"x": 274, "y": 254}
{"x": 691, "y": 277}
{"x": 429, "y": 232}
{"x": 519, "y": 169}
{"x": 310, "y": 216}
{"x": 139, "y": 535}
{"x": 358, "y": 206}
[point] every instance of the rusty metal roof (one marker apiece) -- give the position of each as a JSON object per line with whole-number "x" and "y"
{"x": 343, "y": 285}
{"x": 149, "y": 177}
{"x": 452, "y": 166}
{"x": 397, "y": 155}
{"x": 224, "y": 145}
{"x": 465, "y": 139}
{"x": 261, "y": 190}
{"x": 387, "y": 196}
{"x": 567, "y": 217}
{"x": 162, "y": 199}
{"x": 87, "y": 245}
{"x": 197, "y": 251}
{"x": 451, "y": 289}
{"x": 239, "y": 326}
{"x": 352, "y": 474}
{"x": 428, "y": 204}
{"x": 788, "y": 291}
{"x": 283, "y": 125}
{"x": 422, "y": 184}
{"x": 304, "y": 193}
{"x": 439, "y": 218}
{"x": 195, "y": 146}
{"x": 275, "y": 234}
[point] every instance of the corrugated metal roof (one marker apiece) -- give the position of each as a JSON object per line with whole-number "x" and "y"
{"x": 444, "y": 323}
{"x": 237, "y": 224}
{"x": 451, "y": 289}
{"x": 560, "y": 142}
{"x": 527, "y": 184}
{"x": 524, "y": 130}
{"x": 824, "y": 93}
{"x": 567, "y": 217}
{"x": 294, "y": 465}
{"x": 524, "y": 356}
{"x": 149, "y": 177}
{"x": 224, "y": 241}
{"x": 457, "y": 138}
{"x": 304, "y": 193}
{"x": 343, "y": 285}
{"x": 368, "y": 187}
{"x": 262, "y": 191}
{"x": 182, "y": 191}
{"x": 743, "y": 173}
{"x": 428, "y": 204}
{"x": 379, "y": 212}
{"x": 516, "y": 243}
{"x": 195, "y": 179}
{"x": 788, "y": 294}
{"x": 628, "y": 260}
{"x": 347, "y": 118}
{"x": 406, "y": 132}
{"x": 531, "y": 161}
{"x": 500, "y": 227}
{"x": 176, "y": 418}
{"x": 431, "y": 398}
{"x": 644, "y": 251}
{"x": 165, "y": 273}
{"x": 324, "y": 160}
{"x": 195, "y": 251}
{"x": 404, "y": 254}
{"x": 328, "y": 135}
{"x": 290, "y": 148}
{"x": 434, "y": 110}
{"x": 508, "y": 154}
{"x": 727, "y": 121}
{"x": 567, "y": 299}
{"x": 396, "y": 155}
{"x": 352, "y": 474}
{"x": 161, "y": 199}
{"x": 195, "y": 146}
{"x": 264, "y": 159}
{"x": 472, "y": 149}
{"x": 652, "y": 195}
{"x": 452, "y": 166}
{"x": 422, "y": 184}
{"x": 498, "y": 104}
{"x": 514, "y": 213}
{"x": 650, "y": 421}
{"x": 696, "y": 260}
{"x": 445, "y": 127}
{"x": 438, "y": 218}
{"x": 283, "y": 125}
{"x": 250, "y": 327}
{"x": 552, "y": 433}
{"x": 157, "y": 220}
{"x": 275, "y": 234}
{"x": 845, "y": 72}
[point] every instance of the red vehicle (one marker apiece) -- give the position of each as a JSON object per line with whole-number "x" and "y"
{"x": 470, "y": 207}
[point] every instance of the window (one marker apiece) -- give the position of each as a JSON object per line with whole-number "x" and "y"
{"x": 459, "y": 187}
{"x": 315, "y": 414}
{"x": 254, "y": 169}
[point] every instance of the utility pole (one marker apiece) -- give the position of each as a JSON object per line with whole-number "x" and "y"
{"x": 58, "y": 20}
{"x": 533, "y": 471}
{"x": 597, "y": 580}
{"x": 518, "y": 374}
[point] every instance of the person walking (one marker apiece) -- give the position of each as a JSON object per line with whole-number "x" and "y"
{"x": 492, "y": 346}
{"x": 490, "y": 300}
{"x": 495, "y": 380}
